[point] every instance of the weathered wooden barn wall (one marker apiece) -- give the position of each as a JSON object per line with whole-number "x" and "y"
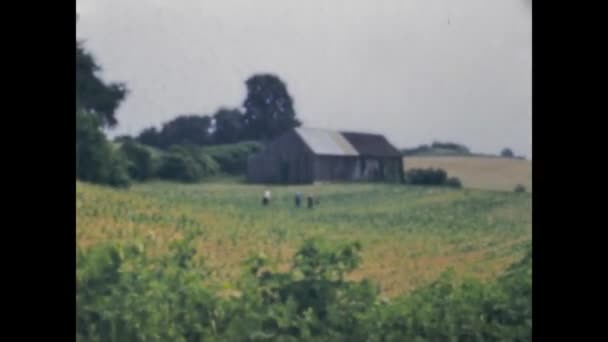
{"x": 332, "y": 168}
{"x": 286, "y": 159}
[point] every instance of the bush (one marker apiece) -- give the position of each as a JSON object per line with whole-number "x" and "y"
{"x": 453, "y": 182}
{"x": 232, "y": 158}
{"x": 96, "y": 159}
{"x": 519, "y": 188}
{"x": 205, "y": 162}
{"x": 179, "y": 167}
{"x": 430, "y": 177}
{"x": 141, "y": 163}
{"x": 208, "y": 165}
{"x": 118, "y": 170}
{"x": 425, "y": 176}
{"x": 470, "y": 311}
{"x": 124, "y": 294}
{"x": 507, "y": 153}
{"x": 186, "y": 163}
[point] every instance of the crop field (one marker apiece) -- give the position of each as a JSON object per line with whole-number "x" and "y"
{"x": 409, "y": 234}
{"x": 479, "y": 172}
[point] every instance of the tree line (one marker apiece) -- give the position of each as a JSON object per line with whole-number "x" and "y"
{"x": 267, "y": 111}
{"x": 453, "y": 149}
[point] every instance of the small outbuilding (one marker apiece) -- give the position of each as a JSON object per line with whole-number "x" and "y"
{"x": 307, "y": 155}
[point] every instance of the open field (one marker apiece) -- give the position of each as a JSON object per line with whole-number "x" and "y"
{"x": 409, "y": 234}
{"x": 480, "y": 172}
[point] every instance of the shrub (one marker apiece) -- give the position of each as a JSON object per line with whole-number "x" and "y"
{"x": 519, "y": 188}
{"x": 186, "y": 163}
{"x": 469, "y": 311}
{"x": 425, "y": 176}
{"x": 124, "y": 294}
{"x": 453, "y": 182}
{"x": 118, "y": 170}
{"x": 507, "y": 153}
{"x": 232, "y": 158}
{"x": 430, "y": 177}
{"x": 208, "y": 166}
{"x": 310, "y": 301}
{"x": 141, "y": 164}
{"x": 179, "y": 167}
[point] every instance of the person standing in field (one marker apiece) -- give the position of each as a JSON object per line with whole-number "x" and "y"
{"x": 266, "y": 198}
{"x": 310, "y": 202}
{"x": 298, "y": 199}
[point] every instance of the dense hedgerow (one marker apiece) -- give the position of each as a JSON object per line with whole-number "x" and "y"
{"x": 186, "y": 164}
{"x": 430, "y": 176}
{"x": 232, "y": 158}
{"x": 142, "y": 165}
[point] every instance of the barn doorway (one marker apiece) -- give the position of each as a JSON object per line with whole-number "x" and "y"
{"x": 284, "y": 170}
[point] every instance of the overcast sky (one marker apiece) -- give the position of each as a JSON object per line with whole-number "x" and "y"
{"x": 414, "y": 70}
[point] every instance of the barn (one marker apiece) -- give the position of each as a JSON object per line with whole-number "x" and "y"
{"x": 307, "y": 155}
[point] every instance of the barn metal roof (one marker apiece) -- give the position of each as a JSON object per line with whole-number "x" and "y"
{"x": 325, "y": 142}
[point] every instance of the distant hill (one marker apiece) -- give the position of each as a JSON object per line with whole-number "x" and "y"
{"x": 446, "y": 149}
{"x": 479, "y": 172}
{"x": 437, "y": 148}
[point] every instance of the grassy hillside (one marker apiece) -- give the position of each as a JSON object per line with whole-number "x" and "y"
{"x": 409, "y": 234}
{"x": 488, "y": 173}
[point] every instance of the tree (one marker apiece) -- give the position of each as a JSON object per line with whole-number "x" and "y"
{"x": 93, "y": 95}
{"x": 186, "y": 129}
{"x": 507, "y": 153}
{"x": 141, "y": 163}
{"x": 228, "y": 126}
{"x": 149, "y": 136}
{"x": 268, "y": 108}
{"x": 90, "y": 149}
{"x": 96, "y": 160}
{"x": 451, "y": 146}
{"x": 96, "y": 102}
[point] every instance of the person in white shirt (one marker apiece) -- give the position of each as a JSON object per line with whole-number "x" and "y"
{"x": 266, "y": 198}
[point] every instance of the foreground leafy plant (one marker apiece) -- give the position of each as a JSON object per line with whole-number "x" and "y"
{"x": 125, "y": 295}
